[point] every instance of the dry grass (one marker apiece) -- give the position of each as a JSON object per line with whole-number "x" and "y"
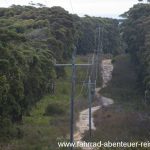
{"x": 127, "y": 119}
{"x": 116, "y": 124}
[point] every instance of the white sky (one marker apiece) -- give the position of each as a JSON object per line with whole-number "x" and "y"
{"x": 104, "y": 8}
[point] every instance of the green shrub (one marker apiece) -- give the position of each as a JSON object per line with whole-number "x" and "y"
{"x": 8, "y": 130}
{"x": 54, "y": 108}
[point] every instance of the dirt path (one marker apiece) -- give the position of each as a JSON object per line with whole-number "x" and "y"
{"x": 83, "y": 122}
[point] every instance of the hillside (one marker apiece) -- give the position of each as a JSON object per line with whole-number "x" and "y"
{"x": 31, "y": 41}
{"x": 35, "y": 94}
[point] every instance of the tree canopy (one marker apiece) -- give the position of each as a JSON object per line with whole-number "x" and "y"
{"x": 31, "y": 39}
{"x": 137, "y": 37}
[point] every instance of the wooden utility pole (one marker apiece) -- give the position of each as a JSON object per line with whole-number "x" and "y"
{"x": 72, "y": 97}
{"x": 94, "y": 63}
{"x": 73, "y": 84}
{"x": 97, "y": 52}
{"x": 90, "y": 97}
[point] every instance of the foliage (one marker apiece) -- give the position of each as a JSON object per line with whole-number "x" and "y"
{"x": 137, "y": 37}
{"x": 122, "y": 120}
{"x": 54, "y": 109}
{"x": 31, "y": 39}
{"x": 123, "y": 87}
{"x": 109, "y": 35}
{"x": 28, "y": 46}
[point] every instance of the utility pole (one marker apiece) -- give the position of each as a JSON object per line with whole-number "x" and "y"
{"x": 91, "y": 92}
{"x": 98, "y": 51}
{"x": 72, "y": 97}
{"x": 100, "y": 43}
{"x": 95, "y": 61}
{"x": 90, "y": 106}
{"x": 145, "y": 97}
{"x": 73, "y": 84}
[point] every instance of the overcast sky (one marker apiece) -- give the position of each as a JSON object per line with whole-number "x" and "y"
{"x": 104, "y": 8}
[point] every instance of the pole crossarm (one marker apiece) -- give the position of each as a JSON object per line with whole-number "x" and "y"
{"x": 82, "y": 65}
{"x": 89, "y": 83}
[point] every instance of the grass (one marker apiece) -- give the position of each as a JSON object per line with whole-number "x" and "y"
{"x": 127, "y": 119}
{"x": 40, "y": 131}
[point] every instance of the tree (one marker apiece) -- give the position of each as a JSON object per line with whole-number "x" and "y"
{"x": 31, "y": 39}
{"x": 137, "y": 37}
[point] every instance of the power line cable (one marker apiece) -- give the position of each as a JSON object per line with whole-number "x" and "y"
{"x": 70, "y": 1}
{"x": 46, "y": 3}
{"x": 86, "y": 76}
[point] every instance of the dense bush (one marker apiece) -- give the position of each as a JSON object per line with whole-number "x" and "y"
{"x": 109, "y": 35}
{"x": 136, "y": 34}
{"x": 54, "y": 108}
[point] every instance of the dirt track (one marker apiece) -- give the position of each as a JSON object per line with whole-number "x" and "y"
{"x": 83, "y": 122}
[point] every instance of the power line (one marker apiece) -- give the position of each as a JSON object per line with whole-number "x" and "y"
{"x": 83, "y": 84}
{"x": 71, "y": 6}
{"x": 46, "y": 2}
{"x": 73, "y": 84}
{"x": 89, "y": 72}
{"x": 90, "y": 106}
